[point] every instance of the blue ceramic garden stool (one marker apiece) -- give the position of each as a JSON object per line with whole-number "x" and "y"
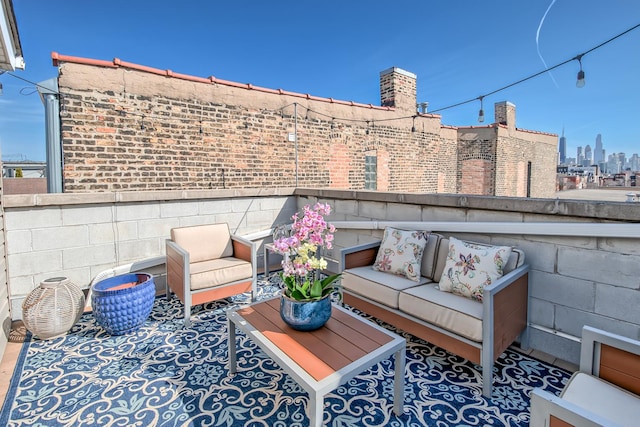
{"x": 122, "y": 303}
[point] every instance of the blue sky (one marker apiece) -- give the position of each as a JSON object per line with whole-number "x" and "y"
{"x": 459, "y": 50}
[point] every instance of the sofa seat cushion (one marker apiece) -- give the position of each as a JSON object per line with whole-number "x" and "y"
{"x": 376, "y": 285}
{"x": 603, "y": 398}
{"x": 454, "y": 313}
{"x": 215, "y": 272}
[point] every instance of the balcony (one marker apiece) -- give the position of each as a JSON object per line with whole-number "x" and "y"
{"x": 584, "y": 255}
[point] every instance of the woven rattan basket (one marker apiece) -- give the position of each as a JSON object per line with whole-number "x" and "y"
{"x": 52, "y": 309}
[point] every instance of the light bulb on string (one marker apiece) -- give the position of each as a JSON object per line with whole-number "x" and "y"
{"x": 481, "y": 112}
{"x": 580, "y": 82}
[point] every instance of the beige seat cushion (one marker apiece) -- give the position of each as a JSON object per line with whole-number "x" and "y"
{"x": 207, "y": 274}
{"x": 204, "y": 242}
{"x": 376, "y": 285}
{"x": 449, "y": 311}
{"x": 603, "y": 398}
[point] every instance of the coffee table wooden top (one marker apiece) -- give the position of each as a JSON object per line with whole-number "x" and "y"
{"x": 345, "y": 338}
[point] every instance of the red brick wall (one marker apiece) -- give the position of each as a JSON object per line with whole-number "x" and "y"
{"x": 130, "y": 130}
{"x": 25, "y": 185}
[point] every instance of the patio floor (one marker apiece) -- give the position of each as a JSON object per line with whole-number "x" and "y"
{"x": 18, "y": 333}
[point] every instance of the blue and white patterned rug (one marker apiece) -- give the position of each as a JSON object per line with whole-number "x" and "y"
{"x": 165, "y": 375}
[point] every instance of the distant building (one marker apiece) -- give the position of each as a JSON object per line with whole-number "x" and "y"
{"x": 588, "y": 158}
{"x": 27, "y": 169}
{"x": 562, "y": 148}
{"x": 579, "y": 156}
{"x": 598, "y": 152}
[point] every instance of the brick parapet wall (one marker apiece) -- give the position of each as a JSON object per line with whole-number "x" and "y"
{"x": 133, "y": 131}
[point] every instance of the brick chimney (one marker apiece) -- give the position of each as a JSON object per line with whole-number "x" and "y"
{"x": 505, "y": 113}
{"x": 398, "y": 89}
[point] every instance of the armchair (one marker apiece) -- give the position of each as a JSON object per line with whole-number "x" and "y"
{"x": 604, "y": 392}
{"x": 206, "y": 263}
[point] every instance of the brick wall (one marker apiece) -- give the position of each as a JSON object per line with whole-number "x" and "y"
{"x": 494, "y": 160}
{"x": 130, "y": 129}
{"x": 25, "y": 185}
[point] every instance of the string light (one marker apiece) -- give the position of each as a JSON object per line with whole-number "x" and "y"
{"x": 580, "y": 82}
{"x": 575, "y": 58}
{"x": 481, "y": 112}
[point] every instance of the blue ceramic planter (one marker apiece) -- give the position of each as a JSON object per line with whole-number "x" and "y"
{"x": 305, "y": 315}
{"x": 122, "y": 303}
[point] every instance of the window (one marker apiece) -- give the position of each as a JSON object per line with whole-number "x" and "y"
{"x": 370, "y": 172}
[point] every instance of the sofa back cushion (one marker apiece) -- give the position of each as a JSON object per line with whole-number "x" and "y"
{"x": 428, "y": 266}
{"x": 401, "y": 252}
{"x": 204, "y": 242}
{"x": 516, "y": 259}
{"x": 470, "y": 267}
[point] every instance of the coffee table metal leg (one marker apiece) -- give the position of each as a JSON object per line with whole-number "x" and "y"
{"x": 398, "y": 383}
{"x": 316, "y": 408}
{"x": 231, "y": 344}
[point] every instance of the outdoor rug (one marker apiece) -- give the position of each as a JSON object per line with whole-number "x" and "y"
{"x": 165, "y": 375}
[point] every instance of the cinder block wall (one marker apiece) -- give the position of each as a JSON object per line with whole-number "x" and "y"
{"x": 79, "y": 236}
{"x": 573, "y": 280}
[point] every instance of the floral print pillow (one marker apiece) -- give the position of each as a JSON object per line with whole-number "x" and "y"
{"x": 401, "y": 252}
{"x": 470, "y": 267}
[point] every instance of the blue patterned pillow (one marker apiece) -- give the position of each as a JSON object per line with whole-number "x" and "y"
{"x": 401, "y": 252}
{"x": 471, "y": 266}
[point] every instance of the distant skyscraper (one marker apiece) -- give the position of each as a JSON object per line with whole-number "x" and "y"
{"x": 579, "y": 157}
{"x": 588, "y": 159}
{"x": 598, "y": 152}
{"x": 562, "y": 148}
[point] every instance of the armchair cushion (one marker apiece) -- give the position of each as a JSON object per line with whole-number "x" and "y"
{"x": 216, "y": 272}
{"x": 217, "y": 238}
{"x": 605, "y": 399}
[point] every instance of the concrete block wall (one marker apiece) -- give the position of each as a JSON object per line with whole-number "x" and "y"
{"x": 79, "y": 236}
{"x": 574, "y": 280}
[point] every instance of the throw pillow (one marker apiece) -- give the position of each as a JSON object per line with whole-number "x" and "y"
{"x": 472, "y": 266}
{"x": 401, "y": 252}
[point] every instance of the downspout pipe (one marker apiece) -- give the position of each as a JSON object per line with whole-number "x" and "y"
{"x": 49, "y": 95}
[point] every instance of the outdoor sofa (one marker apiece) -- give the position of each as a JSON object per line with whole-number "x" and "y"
{"x": 479, "y": 331}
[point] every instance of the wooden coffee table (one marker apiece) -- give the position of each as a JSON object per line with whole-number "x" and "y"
{"x": 321, "y": 360}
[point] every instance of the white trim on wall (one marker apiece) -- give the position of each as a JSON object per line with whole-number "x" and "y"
{"x": 626, "y": 230}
